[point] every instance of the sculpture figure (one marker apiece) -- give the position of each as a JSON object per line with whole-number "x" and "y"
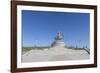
{"x": 59, "y": 36}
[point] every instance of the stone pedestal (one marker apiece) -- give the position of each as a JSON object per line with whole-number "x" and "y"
{"x": 58, "y": 43}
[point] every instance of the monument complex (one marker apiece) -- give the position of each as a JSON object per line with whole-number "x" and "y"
{"x": 57, "y": 52}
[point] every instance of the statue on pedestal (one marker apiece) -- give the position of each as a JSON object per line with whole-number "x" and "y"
{"x": 58, "y": 40}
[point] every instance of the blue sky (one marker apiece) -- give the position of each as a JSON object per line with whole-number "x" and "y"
{"x": 40, "y": 27}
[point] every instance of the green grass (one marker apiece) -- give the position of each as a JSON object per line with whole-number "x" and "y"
{"x": 26, "y": 49}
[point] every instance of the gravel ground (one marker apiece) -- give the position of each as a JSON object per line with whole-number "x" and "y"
{"x": 54, "y": 54}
